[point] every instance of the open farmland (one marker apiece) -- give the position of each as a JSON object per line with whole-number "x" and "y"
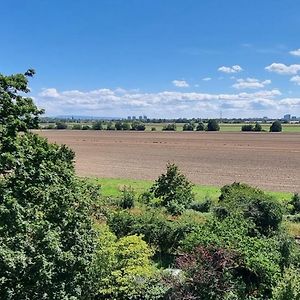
{"x": 269, "y": 161}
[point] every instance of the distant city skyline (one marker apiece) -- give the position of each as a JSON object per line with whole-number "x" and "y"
{"x": 163, "y": 59}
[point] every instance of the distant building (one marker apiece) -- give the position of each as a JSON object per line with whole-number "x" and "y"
{"x": 294, "y": 118}
{"x": 287, "y": 117}
{"x": 145, "y": 117}
{"x": 133, "y": 117}
{"x": 129, "y": 118}
{"x": 140, "y": 118}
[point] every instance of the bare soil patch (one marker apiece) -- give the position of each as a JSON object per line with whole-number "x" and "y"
{"x": 269, "y": 161}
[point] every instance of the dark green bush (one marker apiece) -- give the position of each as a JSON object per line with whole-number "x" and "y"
{"x": 138, "y": 126}
{"x": 188, "y": 127}
{"x": 247, "y": 127}
{"x": 61, "y": 125}
{"x": 85, "y": 127}
{"x": 97, "y": 125}
{"x": 295, "y": 203}
{"x": 202, "y": 206}
{"x": 169, "y": 127}
{"x": 213, "y": 125}
{"x": 110, "y": 126}
{"x": 76, "y": 127}
{"x": 257, "y": 127}
{"x": 128, "y": 198}
{"x": 200, "y": 127}
{"x": 276, "y": 127}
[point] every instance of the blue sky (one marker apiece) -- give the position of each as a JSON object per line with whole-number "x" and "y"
{"x": 162, "y": 58}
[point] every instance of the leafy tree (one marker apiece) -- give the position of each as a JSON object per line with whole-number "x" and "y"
{"x": 76, "y": 127}
{"x": 188, "y": 127}
{"x": 61, "y": 125}
{"x": 257, "y": 127}
{"x": 169, "y": 127}
{"x": 125, "y": 126}
{"x": 118, "y": 125}
{"x": 295, "y": 203}
{"x": 173, "y": 189}
{"x": 122, "y": 268}
{"x": 128, "y": 198}
{"x": 85, "y": 127}
{"x": 276, "y": 127}
{"x": 200, "y": 127}
{"x": 97, "y": 125}
{"x": 138, "y": 126}
{"x": 213, "y": 125}
{"x": 247, "y": 127}
{"x": 46, "y": 234}
{"x": 110, "y": 126}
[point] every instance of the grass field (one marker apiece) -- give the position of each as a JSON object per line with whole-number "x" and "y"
{"x": 112, "y": 187}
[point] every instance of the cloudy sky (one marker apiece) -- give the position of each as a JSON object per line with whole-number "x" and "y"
{"x": 161, "y": 58}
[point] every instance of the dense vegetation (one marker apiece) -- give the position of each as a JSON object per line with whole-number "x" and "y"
{"x": 60, "y": 239}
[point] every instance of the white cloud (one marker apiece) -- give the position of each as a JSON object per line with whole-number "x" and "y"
{"x": 250, "y": 83}
{"x": 283, "y": 69}
{"x": 180, "y": 83}
{"x": 206, "y": 78}
{"x": 291, "y": 102}
{"x": 296, "y": 79}
{"x": 295, "y": 52}
{"x": 233, "y": 69}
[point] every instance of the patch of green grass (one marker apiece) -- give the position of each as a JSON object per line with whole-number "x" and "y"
{"x": 112, "y": 187}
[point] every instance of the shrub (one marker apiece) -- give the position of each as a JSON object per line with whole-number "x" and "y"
{"x": 85, "y": 127}
{"x": 202, "y": 206}
{"x": 169, "y": 127}
{"x": 118, "y": 125}
{"x": 188, "y": 127}
{"x": 213, "y": 125}
{"x": 200, "y": 127}
{"x": 125, "y": 126}
{"x": 76, "y": 127}
{"x": 247, "y": 127}
{"x": 153, "y": 128}
{"x": 61, "y": 125}
{"x": 50, "y": 126}
{"x": 265, "y": 212}
{"x": 257, "y": 127}
{"x": 276, "y": 127}
{"x": 110, "y": 126}
{"x": 128, "y": 198}
{"x": 138, "y": 126}
{"x": 97, "y": 125}
{"x": 295, "y": 204}
{"x": 173, "y": 189}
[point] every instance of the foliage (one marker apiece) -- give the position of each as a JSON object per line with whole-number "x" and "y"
{"x": 122, "y": 268}
{"x": 247, "y": 127}
{"x": 257, "y": 127}
{"x": 97, "y": 125}
{"x": 128, "y": 198}
{"x": 188, "y": 127}
{"x": 173, "y": 189}
{"x": 110, "y": 126}
{"x": 17, "y": 114}
{"x": 200, "y": 126}
{"x": 209, "y": 274}
{"x": 61, "y": 125}
{"x": 76, "y": 127}
{"x": 213, "y": 125}
{"x": 138, "y": 126}
{"x": 153, "y": 128}
{"x": 85, "y": 127}
{"x": 203, "y": 206}
{"x": 169, "y": 127}
{"x": 262, "y": 258}
{"x": 288, "y": 287}
{"x": 295, "y": 204}
{"x": 276, "y": 127}
{"x": 262, "y": 209}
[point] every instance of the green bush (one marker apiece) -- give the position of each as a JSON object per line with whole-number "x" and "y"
{"x": 128, "y": 198}
{"x": 61, "y": 125}
{"x": 85, "y": 127}
{"x": 257, "y": 127}
{"x": 213, "y": 125}
{"x": 295, "y": 204}
{"x": 169, "y": 127}
{"x": 188, "y": 127}
{"x": 276, "y": 127}
{"x": 97, "y": 125}
{"x": 247, "y": 127}
{"x": 200, "y": 127}
{"x": 76, "y": 127}
{"x": 173, "y": 189}
{"x": 153, "y": 128}
{"x": 202, "y": 206}
{"x": 110, "y": 126}
{"x": 138, "y": 126}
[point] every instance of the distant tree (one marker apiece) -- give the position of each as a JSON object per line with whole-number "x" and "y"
{"x": 110, "y": 126}
{"x": 97, "y": 125}
{"x": 138, "y": 126}
{"x": 188, "y": 127}
{"x": 61, "y": 125}
{"x": 247, "y": 127}
{"x": 257, "y": 127}
{"x": 169, "y": 127}
{"x": 85, "y": 127}
{"x": 118, "y": 125}
{"x": 76, "y": 127}
{"x": 276, "y": 127}
{"x": 213, "y": 125}
{"x": 125, "y": 126}
{"x": 200, "y": 126}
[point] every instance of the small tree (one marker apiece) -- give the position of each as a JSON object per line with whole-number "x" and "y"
{"x": 97, "y": 125}
{"x": 169, "y": 127}
{"x": 213, "y": 125}
{"x": 188, "y": 127}
{"x": 118, "y": 125}
{"x": 200, "y": 127}
{"x": 257, "y": 127}
{"x": 173, "y": 189}
{"x": 276, "y": 127}
{"x": 61, "y": 125}
{"x": 247, "y": 127}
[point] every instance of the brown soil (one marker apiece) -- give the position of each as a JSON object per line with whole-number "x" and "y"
{"x": 269, "y": 161}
